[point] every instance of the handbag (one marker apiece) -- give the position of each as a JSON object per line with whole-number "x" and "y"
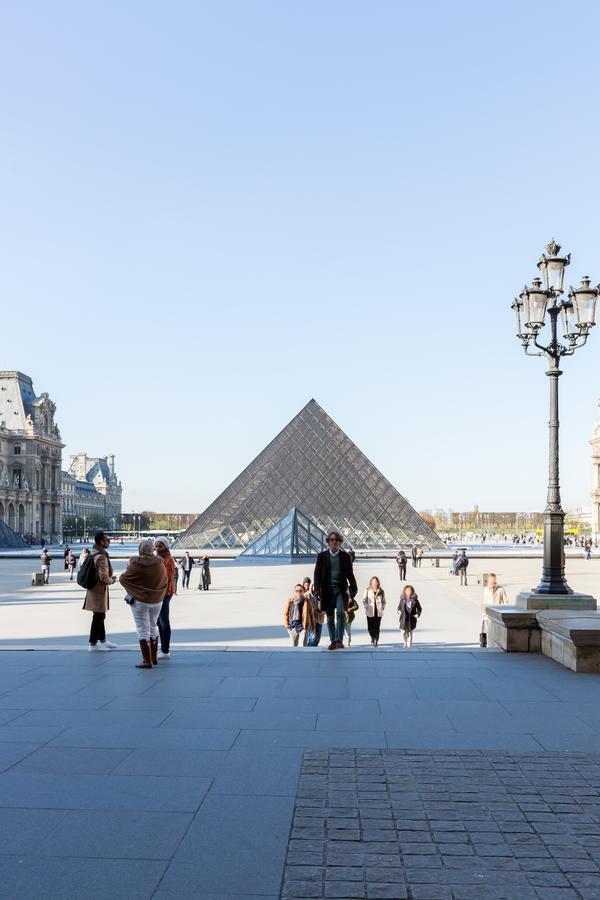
{"x": 321, "y": 618}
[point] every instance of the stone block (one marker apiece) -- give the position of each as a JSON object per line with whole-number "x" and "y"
{"x": 571, "y": 638}
{"x": 513, "y": 629}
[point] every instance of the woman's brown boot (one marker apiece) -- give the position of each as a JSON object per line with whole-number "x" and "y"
{"x": 154, "y": 650}
{"x": 147, "y": 656}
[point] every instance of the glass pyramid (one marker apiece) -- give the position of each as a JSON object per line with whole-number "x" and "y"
{"x": 314, "y": 466}
{"x": 293, "y": 537}
{"x": 9, "y": 538}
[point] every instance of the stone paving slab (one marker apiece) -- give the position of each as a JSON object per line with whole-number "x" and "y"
{"x": 403, "y": 825}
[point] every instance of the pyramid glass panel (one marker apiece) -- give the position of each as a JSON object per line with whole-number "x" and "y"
{"x": 293, "y": 536}
{"x": 314, "y": 466}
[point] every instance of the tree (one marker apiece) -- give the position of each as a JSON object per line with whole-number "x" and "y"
{"x": 428, "y": 519}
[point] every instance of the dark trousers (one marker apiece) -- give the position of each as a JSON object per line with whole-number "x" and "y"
{"x": 373, "y": 626}
{"x": 164, "y": 624}
{"x": 205, "y": 581}
{"x": 336, "y": 620}
{"x": 186, "y": 578}
{"x": 97, "y": 632}
{"x": 419, "y": 558}
{"x": 402, "y": 571}
{"x": 414, "y": 562}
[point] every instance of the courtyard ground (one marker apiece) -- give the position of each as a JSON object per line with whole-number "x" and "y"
{"x": 445, "y": 771}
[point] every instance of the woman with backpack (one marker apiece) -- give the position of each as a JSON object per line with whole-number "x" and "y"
{"x": 409, "y": 609}
{"x": 96, "y": 576}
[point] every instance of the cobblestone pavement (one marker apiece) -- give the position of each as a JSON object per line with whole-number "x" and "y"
{"x": 432, "y": 825}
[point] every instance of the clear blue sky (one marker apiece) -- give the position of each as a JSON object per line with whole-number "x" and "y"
{"x": 211, "y": 212}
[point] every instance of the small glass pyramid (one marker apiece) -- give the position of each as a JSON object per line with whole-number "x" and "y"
{"x": 294, "y": 536}
{"x": 9, "y": 538}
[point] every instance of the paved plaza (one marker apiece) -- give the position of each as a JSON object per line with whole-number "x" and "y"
{"x": 265, "y": 772}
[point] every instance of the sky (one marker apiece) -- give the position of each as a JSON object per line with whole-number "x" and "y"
{"x": 211, "y": 212}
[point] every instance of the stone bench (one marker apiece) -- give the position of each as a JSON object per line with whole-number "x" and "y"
{"x": 513, "y": 629}
{"x": 572, "y": 638}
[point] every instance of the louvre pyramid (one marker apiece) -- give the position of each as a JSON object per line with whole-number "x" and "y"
{"x": 294, "y": 536}
{"x": 314, "y": 466}
{"x": 9, "y": 538}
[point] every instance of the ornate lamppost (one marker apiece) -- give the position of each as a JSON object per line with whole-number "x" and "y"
{"x": 536, "y": 306}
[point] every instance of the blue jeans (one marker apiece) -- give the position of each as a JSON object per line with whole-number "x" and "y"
{"x": 314, "y": 636}
{"x": 335, "y": 620}
{"x": 164, "y": 625}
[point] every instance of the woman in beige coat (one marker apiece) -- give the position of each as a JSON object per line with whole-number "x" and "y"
{"x": 96, "y": 598}
{"x": 145, "y": 581}
{"x": 374, "y": 603}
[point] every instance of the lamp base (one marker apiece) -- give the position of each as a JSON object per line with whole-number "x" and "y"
{"x": 532, "y": 600}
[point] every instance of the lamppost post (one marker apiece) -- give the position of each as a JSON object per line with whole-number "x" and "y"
{"x": 578, "y": 312}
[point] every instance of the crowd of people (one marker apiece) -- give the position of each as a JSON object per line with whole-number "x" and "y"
{"x": 330, "y": 597}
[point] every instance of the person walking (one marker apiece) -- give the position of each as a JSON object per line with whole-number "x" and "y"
{"x": 298, "y": 616}
{"x": 413, "y": 554}
{"x": 71, "y": 562}
{"x": 588, "y": 549}
{"x": 493, "y": 595}
{"x": 161, "y": 546}
{"x": 65, "y": 555}
{"x": 409, "y": 609}
{"x": 349, "y": 619}
{"x": 419, "y": 556}
{"x": 314, "y": 634}
{"x": 453, "y": 562}
{"x": 401, "y": 561}
{"x": 335, "y": 585}
{"x": 462, "y": 564}
{"x": 82, "y": 557}
{"x": 206, "y": 579}
{"x": 187, "y": 564}
{"x": 46, "y": 562}
{"x": 374, "y": 604}
{"x": 145, "y": 580}
{"x": 96, "y": 598}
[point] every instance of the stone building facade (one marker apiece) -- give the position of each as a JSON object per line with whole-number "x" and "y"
{"x": 91, "y": 488}
{"x": 30, "y": 460}
{"x": 595, "y": 442}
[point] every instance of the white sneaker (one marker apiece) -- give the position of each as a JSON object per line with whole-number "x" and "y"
{"x": 110, "y": 645}
{"x": 93, "y": 648}
{"x": 162, "y": 655}
{"x": 103, "y": 646}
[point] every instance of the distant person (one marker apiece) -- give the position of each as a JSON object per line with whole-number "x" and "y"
{"x": 409, "y": 609}
{"x": 206, "y": 579}
{"x": 374, "y": 604}
{"x": 350, "y": 550}
{"x": 145, "y": 581}
{"x": 175, "y": 578}
{"x": 96, "y": 598}
{"x": 71, "y": 563}
{"x": 187, "y": 564}
{"x": 83, "y": 556}
{"x": 588, "y": 549}
{"x": 161, "y": 546}
{"x": 43, "y": 543}
{"x": 462, "y": 564}
{"x": 413, "y": 554}
{"x": 493, "y": 595}
{"x": 46, "y": 562}
{"x": 65, "y": 554}
{"x": 419, "y": 556}
{"x": 401, "y": 561}
{"x": 349, "y": 619}
{"x": 335, "y": 585}
{"x": 298, "y": 616}
{"x": 314, "y": 634}
{"x": 453, "y": 562}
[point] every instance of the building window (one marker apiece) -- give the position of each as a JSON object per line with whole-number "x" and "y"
{"x": 17, "y": 449}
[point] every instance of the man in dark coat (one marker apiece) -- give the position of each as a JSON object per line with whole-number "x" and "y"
{"x": 335, "y": 583}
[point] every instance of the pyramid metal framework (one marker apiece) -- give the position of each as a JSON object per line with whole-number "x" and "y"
{"x": 9, "y": 538}
{"x": 314, "y": 466}
{"x": 294, "y": 536}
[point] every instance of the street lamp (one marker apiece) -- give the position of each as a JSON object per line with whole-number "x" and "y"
{"x": 540, "y": 304}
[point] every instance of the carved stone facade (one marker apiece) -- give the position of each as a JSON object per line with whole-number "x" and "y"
{"x": 91, "y": 488}
{"x": 30, "y": 460}
{"x": 595, "y": 442}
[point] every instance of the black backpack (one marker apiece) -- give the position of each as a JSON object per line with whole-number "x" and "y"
{"x": 87, "y": 577}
